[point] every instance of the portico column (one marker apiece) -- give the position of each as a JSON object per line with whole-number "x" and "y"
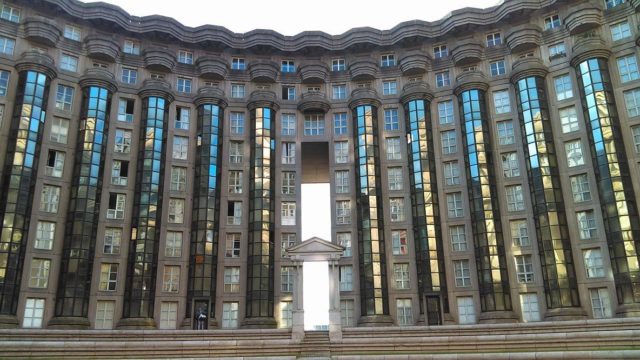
{"x": 297, "y": 328}
{"x": 335, "y": 321}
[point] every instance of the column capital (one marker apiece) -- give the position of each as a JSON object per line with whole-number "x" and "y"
{"x": 36, "y": 61}
{"x": 418, "y": 90}
{"x": 156, "y": 87}
{"x": 364, "y": 96}
{"x": 263, "y": 98}
{"x": 589, "y": 47}
{"x": 210, "y": 95}
{"x": 98, "y": 77}
{"x": 523, "y": 68}
{"x": 469, "y": 80}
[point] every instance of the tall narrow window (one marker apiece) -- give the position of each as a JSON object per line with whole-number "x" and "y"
{"x": 171, "y": 278}
{"x": 524, "y": 268}
{"x": 286, "y": 278}
{"x": 39, "y": 275}
{"x": 404, "y": 312}
{"x": 288, "y": 183}
{"x": 346, "y": 278}
{"x": 399, "y": 242}
{"x": 462, "y": 273}
{"x": 344, "y": 239}
{"x": 288, "y": 213}
{"x": 45, "y": 233}
{"x": 457, "y": 233}
{"x": 342, "y": 181}
{"x": 108, "y": 277}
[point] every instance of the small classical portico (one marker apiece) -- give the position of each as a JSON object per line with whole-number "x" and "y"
{"x": 316, "y": 249}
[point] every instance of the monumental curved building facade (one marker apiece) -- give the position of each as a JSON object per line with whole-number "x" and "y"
{"x": 483, "y": 167}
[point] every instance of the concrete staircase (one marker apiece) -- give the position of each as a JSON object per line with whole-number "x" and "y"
{"x": 315, "y": 345}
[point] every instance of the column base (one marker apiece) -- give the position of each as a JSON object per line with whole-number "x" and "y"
{"x": 375, "y": 321}
{"x": 447, "y": 319}
{"x": 259, "y": 323}
{"x": 628, "y": 310}
{"x": 498, "y": 317}
{"x": 297, "y": 326}
{"x": 136, "y": 324}
{"x": 69, "y": 323}
{"x": 560, "y": 314}
{"x": 9, "y": 322}
{"x": 335, "y": 325}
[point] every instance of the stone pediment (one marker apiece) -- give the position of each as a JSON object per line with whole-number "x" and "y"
{"x": 315, "y": 249}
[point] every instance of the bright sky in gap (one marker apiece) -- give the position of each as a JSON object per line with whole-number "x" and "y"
{"x": 292, "y": 17}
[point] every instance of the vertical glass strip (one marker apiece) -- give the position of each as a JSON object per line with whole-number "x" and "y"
{"x": 21, "y": 164}
{"x": 371, "y": 250}
{"x": 554, "y": 244}
{"x": 74, "y": 283}
{"x": 260, "y": 260}
{"x": 617, "y": 198}
{"x": 491, "y": 263}
{"x": 147, "y": 211}
{"x": 206, "y": 209}
{"x": 424, "y": 200}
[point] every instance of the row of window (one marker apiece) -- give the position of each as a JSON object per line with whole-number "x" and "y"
{"x": 105, "y": 311}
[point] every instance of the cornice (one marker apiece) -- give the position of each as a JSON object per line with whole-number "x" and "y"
{"x": 156, "y": 24}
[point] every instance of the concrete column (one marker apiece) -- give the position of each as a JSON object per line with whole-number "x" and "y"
{"x": 297, "y": 328}
{"x": 335, "y": 321}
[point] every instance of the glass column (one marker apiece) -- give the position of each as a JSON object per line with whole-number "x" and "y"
{"x": 140, "y": 284}
{"x": 18, "y": 183}
{"x": 374, "y": 302}
{"x": 203, "y": 257}
{"x": 74, "y": 282}
{"x": 427, "y": 233}
{"x": 617, "y": 198}
{"x": 554, "y": 244}
{"x": 260, "y": 259}
{"x": 491, "y": 263}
